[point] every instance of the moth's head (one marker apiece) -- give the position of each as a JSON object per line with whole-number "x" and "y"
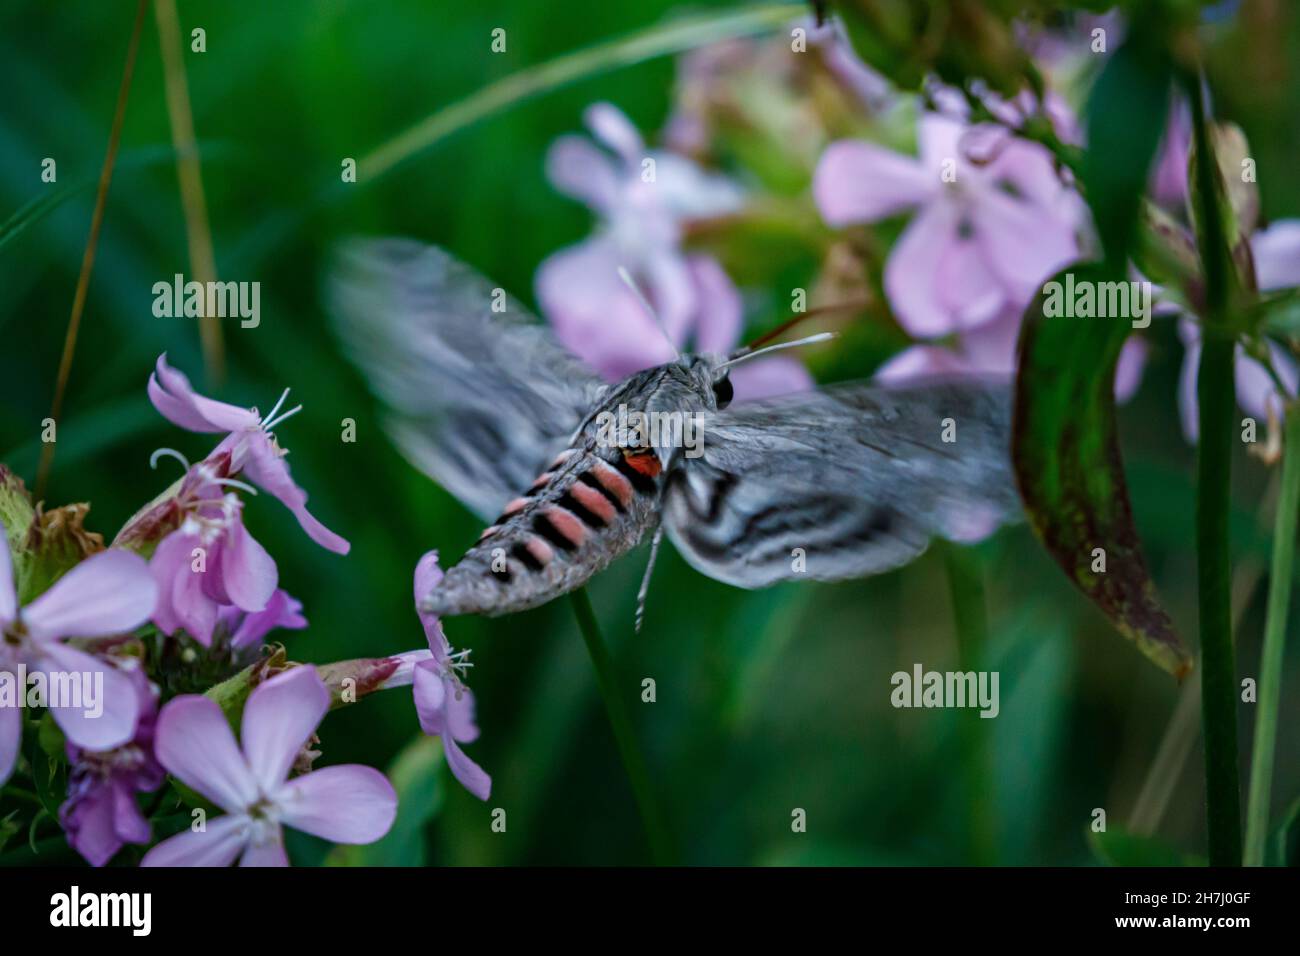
{"x": 711, "y": 374}
{"x": 710, "y": 378}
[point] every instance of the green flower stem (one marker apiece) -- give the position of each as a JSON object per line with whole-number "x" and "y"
{"x": 1270, "y": 667}
{"x": 970, "y": 616}
{"x": 1218, "y": 672}
{"x": 1216, "y": 406}
{"x": 652, "y": 816}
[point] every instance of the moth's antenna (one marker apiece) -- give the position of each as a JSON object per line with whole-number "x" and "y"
{"x": 819, "y": 337}
{"x": 851, "y": 305}
{"x": 649, "y": 309}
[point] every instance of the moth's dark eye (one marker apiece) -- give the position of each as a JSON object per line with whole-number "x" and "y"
{"x": 723, "y": 392}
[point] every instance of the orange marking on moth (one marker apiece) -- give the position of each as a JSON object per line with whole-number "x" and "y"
{"x": 567, "y": 524}
{"x": 593, "y": 501}
{"x": 539, "y": 549}
{"x": 516, "y": 505}
{"x": 613, "y": 482}
{"x": 560, "y": 459}
{"x": 541, "y": 481}
{"x": 644, "y": 462}
{"x": 491, "y": 529}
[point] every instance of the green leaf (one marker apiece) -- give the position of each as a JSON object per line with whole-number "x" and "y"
{"x": 415, "y": 775}
{"x": 1067, "y": 461}
{"x": 1278, "y": 313}
{"x": 1126, "y": 117}
{"x": 1121, "y": 848}
{"x": 50, "y": 737}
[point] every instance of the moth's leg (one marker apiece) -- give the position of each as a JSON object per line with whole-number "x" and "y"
{"x": 645, "y": 581}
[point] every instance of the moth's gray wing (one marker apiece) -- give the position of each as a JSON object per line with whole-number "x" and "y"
{"x": 857, "y": 476}
{"x": 480, "y": 400}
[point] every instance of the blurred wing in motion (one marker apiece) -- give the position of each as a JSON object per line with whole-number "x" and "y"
{"x": 480, "y": 400}
{"x": 859, "y": 477}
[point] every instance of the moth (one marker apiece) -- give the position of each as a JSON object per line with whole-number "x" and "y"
{"x": 840, "y": 482}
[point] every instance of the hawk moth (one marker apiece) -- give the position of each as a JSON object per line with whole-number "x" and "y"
{"x": 493, "y": 408}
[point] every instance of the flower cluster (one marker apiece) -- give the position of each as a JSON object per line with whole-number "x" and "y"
{"x": 976, "y": 219}
{"x": 182, "y": 601}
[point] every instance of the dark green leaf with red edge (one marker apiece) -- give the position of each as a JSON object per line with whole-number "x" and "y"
{"x": 1066, "y": 457}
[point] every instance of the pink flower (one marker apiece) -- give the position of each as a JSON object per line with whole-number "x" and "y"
{"x": 106, "y": 594}
{"x": 986, "y": 233}
{"x": 345, "y": 804}
{"x": 1276, "y": 251}
{"x": 248, "y": 628}
{"x": 1168, "y": 183}
{"x": 101, "y": 812}
{"x": 642, "y": 215}
{"x": 442, "y": 701}
{"x": 210, "y": 562}
{"x": 991, "y": 350}
{"x": 250, "y": 443}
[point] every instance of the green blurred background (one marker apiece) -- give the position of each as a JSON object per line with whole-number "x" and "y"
{"x": 766, "y": 701}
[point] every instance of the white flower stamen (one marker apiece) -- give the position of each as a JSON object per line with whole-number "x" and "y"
{"x": 167, "y": 453}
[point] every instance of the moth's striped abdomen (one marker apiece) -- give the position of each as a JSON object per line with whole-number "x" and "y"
{"x": 589, "y": 506}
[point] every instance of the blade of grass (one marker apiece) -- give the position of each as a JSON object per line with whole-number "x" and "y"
{"x": 88, "y": 259}
{"x": 198, "y": 231}
{"x": 652, "y": 817}
{"x": 660, "y": 40}
{"x": 1270, "y": 667}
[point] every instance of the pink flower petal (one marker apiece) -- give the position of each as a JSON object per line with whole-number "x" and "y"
{"x": 280, "y": 716}
{"x": 991, "y": 348}
{"x": 1128, "y": 371}
{"x": 216, "y": 845}
{"x": 609, "y": 125}
{"x": 862, "y": 182}
{"x": 118, "y": 703}
{"x": 281, "y": 611}
{"x": 247, "y": 571}
{"x": 919, "y": 362}
{"x": 107, "y": 593}
{"x": 427, "y": 575}
{"x": 174, "y": 397}
{"x": 435, "y": 704}
{"x": 768, "y": 377}
{"x": 669, "y": 284}
{"x": 579, "y": 169}
{"x": 182, "y": 598}
{"x": 1277, "y": 255}
{"x": 719, "y": 311}
{"x": 968, "y": 290}
{"x": 194, "y": 742}
{"x": 268, "y": 470}
{"x": 345, "y": 804}
{"x": 594, "y": 314}
{"x": 470, "y": 774}
{"x": 938, "y": 140}
{"x": 430, "y": 691}
{"x": 268, "y": 853}
{"x": 460, "y": 714}
{"x": 1023, "y": 243}
{"x": 1256, "y": 392}
{"x": 11, "y": 739}
{"x": 1187, "y": 410}
{"x": 911, "y": 272}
